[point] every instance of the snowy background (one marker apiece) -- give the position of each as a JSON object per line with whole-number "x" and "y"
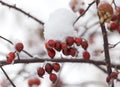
{"x": 17, "y": 27}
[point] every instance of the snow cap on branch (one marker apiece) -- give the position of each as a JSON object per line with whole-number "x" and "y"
{"x": 60, "y": 25}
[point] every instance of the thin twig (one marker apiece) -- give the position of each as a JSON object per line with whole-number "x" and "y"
{"x": 84, "y": 12}
{"x": 27, "y": 53}
{"x": 114, "y": 45}
{"x": 7, "y": 77}
{"x": 20, "y": 10}
{"x": 6, "y": 40}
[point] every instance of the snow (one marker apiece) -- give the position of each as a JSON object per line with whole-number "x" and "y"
{"x": 60, "y": 25}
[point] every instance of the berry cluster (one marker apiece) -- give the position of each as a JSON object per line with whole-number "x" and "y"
{"x": 34, "y": 82}
{"x": 50, "y": 69}
{"x": 11, "y": 55}
{"x": 114, "y": 25}
{"x": 68, "y": 47}
{"x": 112, "y": 76}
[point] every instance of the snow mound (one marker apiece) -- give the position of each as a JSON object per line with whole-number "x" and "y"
{"x": 60, "y": 25}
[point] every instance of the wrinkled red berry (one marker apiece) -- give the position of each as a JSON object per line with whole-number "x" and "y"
{"x": 51, "y": 43}
{"x": 72, "y": 51}
{"x": 40, "y": 71}
{"x": 84, "y": 44}
{"x": 81, "y": 10}
{"x": 53, "y": 77}
{"x": 34, "y": 81}
{"x": 70, "y": 41}
{"x": 19, "y": 46}
{"x": 86, "y": 55}
{"x": 10, "y": 57}
{"x": 58, "y": 46}
{"x": 56, "y": 67}
{"x": 65, "y": 51}
{"x": 113, "y": 26}
{"x": 64, "y": 45}
{"x": 48, "y": 68}
{"x": 78, "y": 41}
{"x": 51, "y": 53}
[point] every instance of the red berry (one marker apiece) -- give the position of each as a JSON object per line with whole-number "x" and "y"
{"x": 114, "y": 17}
{"x": 47, "y": 46}
{"x": 70, "y": 41}
{"x": 81, "y": 10}
{"x": 72, "y": 51}
{"x": 37, "y": 81}
{"x": 34, "y": 81}
{"x": 10, "y": 57}
{"x": 19, "y": 47}
{"x": 53, "y": 77}
{"x": 114, "y": 75}
{"x": 51, "y": 43}
{"x": 84, "y": 44}
{"x": 108, "y": 79}
{"x": 56, "y": 66}
{"x": 64, "y": 45}
{"x": 86, "y": 55}
{"x": 40, "y": 71}
{"x": 51, "y": 53}
{"x": 78, "y": 41}
{"x": 58, "y": 46}
{"x": 65, "y": 51}
{"x": 48, "y": 68}
{"x": 30, "y": 82}
{"x": 113, "y": 26}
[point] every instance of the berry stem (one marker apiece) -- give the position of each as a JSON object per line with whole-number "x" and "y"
{"x": 84, "y": 12}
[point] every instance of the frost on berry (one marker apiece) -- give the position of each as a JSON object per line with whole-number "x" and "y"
{"x": 19, "y": 46}
{"x": 105, "y": 12}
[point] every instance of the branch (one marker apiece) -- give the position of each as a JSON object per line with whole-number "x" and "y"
{"x": 8, "y": 77}
{"x": 20, "y": 10}
{"x": 63, "y": 60}
{"x": 84, "y": 12}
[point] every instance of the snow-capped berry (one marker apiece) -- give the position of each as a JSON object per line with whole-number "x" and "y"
{"x": 56, "y": 67}
{"x": 53, "y": 77}
{"x": 84, "y": 44}
{"x": 19, "y": 46}
{"x": 51, "y": 53}
{"x": 86, "y": 55}
{"x": 58, "y": 46}
{"x": 40, "y": 71}
{"x": 78, "y": 41}
{"x": 70, "y": 40}
{"x": 48, "y": 68}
